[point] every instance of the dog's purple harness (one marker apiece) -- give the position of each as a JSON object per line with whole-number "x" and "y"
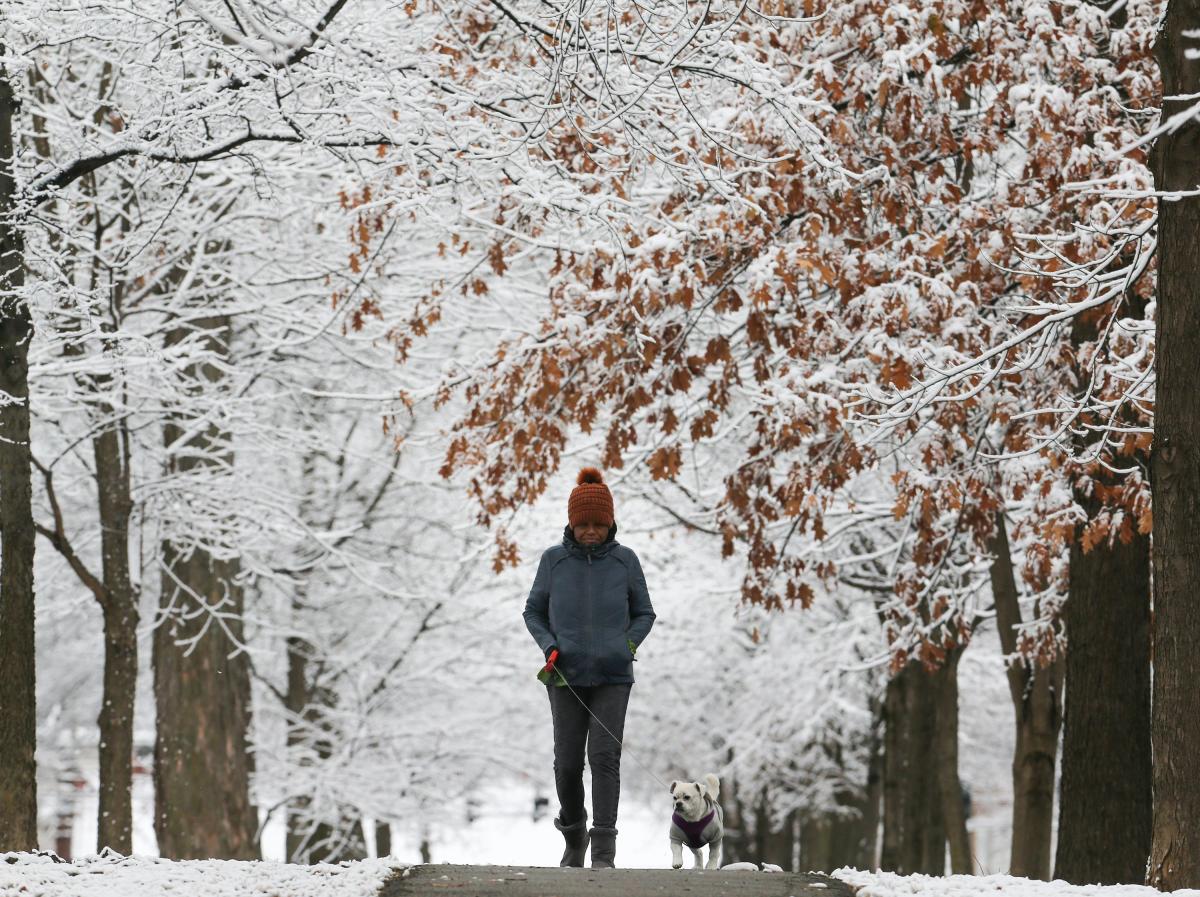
{"x": 694, "y": 831}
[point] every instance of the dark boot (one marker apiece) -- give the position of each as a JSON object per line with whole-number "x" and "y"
{"x": 604, "y": 848}
{"x": 576, "y": 836}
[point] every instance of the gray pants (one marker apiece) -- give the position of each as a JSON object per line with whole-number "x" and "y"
{"x": 573, "y": 729}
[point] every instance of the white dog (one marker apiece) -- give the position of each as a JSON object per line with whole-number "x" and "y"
{"x": 698, "y": 820}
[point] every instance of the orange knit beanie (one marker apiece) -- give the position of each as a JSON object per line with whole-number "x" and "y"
{"x": 590, "y": 501}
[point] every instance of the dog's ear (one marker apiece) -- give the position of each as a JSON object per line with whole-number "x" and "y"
{"x": 673, "y": 784}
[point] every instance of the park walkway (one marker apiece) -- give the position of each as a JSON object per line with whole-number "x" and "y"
{"x": 545, "y": 881}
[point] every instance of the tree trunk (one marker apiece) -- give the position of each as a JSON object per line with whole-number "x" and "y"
{"x": 898, "y": 854}
{"x": 868, "y": 854}
{"x": 312, "y": 840}
{"x": 775, "y": 845}
{"x": 1105, "y": 811}
{"x": 927, "y": 823}
{"x": 296, "y": 700}
{"x": 736, "y": 846}
{"x": 1037, "y": 708}
{"x": 311, "y": 732}
{"x": 816, "y": 845}
{"x": 847, "y": 834}
{"x": 115, "y": 824}
{"x": 383, "y": 839}
{"x": 118, "y": 599}
{"x": 849, "y": 837}
{"x": 202, "y": 694}
{"x": 832, "y": 841}
{"x": 914, "y": 837}
{"x": 1039, "y": 719}
{"x": 202, "y": 763}
{"x": 327, "y": 843}
{"x": 893, "y": 845}
{"x": 120, "y": 605}
{"x": 950, "y": 790}
{"x": 298, "y": 697}
{"x": 1175, "y": 844}
{"x": 18, "y": 715}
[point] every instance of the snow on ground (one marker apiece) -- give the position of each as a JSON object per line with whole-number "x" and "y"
{"x": 889, "y": 884}
{"x": 29, "y": 875}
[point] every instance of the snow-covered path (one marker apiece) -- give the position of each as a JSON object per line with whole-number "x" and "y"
{"x": 543, "y": 881}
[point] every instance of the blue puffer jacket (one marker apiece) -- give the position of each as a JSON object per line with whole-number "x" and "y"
{"x": 590, "y": 602}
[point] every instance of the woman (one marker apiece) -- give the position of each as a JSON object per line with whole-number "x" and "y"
{"x": 590, "y": 605}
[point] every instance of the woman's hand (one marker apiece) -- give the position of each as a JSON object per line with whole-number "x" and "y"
{"x": 546, "y": 674}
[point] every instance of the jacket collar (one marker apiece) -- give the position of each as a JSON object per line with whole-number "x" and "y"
{"x": 596, "y": 551}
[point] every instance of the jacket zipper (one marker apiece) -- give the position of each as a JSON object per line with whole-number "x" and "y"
{"x": 591, "y": 612}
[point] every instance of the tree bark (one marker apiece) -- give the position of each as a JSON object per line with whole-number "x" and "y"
{"x": 296, "y": 701}
{"x": 383, "y": 839}
{"x": 847, "y": 834}
{"x": 329, "y": 843}
{"x": 298, "y": 696}
{"x": 816, "y": 845}
{"x": 18, "y": 715}
{"x": 202, "y": 762}
{"x": 1104, "y": 809}
{"x": 832, "y": 841}
{"x": 775, "y": 845}
{"x": 1175, "y": 844}
{"x": 120, "y": 606}
{"x": 927, "y": 823}
{"x": 201, "y": 758}
{"x": 312, "y": 840}
{"x": 914, "y": 838}
{"x": 950, "y": 788}
{"x": 1038, "y": 723}
{"x": 892, "y": 849}
{"x": 1036, "y": 694}
{"x": 115, "y": 823}
{"x": 311, "y": 732}
{"x": 868, "y": 854}
{"x": 736, "y": 847}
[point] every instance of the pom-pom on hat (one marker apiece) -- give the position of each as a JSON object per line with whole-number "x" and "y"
{"x": 590, "y": 501}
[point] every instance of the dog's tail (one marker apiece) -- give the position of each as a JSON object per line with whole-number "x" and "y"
{"x": 713, "y": 785}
